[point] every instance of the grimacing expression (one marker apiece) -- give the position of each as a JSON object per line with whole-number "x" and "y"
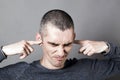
{"x": 56, "y": 45}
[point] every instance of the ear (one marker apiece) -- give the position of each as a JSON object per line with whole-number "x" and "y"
{"x": 74, "y": 36}
{"x": 38, "y": 37}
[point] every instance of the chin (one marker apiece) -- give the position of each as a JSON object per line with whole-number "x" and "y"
{"x": 59, "y": 64}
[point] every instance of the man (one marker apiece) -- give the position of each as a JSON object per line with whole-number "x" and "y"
{"x": 56, "y": 36}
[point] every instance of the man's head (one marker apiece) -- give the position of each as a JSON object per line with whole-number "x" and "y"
{"x": 58, "y": 18}
{"x": 57, "y": 35}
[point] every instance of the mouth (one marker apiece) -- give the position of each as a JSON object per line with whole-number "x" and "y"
{"x": 59, "y": 58}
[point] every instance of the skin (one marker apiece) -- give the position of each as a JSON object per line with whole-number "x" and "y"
{"x": 56, "y": 47}
{"x": 24, "y": 48}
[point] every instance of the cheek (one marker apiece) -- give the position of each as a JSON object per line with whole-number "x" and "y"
{"x": 68, "y": 49}
{"x": 48, "y": 49}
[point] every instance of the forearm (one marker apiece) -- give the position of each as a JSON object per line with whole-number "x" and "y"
{"x": 111, "y": 65}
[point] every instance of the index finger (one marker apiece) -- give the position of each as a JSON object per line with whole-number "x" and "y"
{"x": 34, "y": 42}
{"x": 77, "y": 41}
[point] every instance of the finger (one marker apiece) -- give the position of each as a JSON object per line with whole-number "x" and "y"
{"x": 23, "y": 55}
{"x": 83, "y": 48}
{"x": 86, "y": 51}
{"x": 91, "y": 52}
{"x": 28, "y": 48}
{"x": 35, "y": 42}
{"x": 25, "y": 52}
{"x": 77, "y": 41}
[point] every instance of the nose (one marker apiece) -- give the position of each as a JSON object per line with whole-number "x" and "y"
{"x": 61, "y": 51}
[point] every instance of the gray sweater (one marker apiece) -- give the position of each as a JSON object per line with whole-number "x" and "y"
{"x": 74, "y": 69}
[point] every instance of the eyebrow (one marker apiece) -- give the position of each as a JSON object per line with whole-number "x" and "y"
{"x": 56, "y": 44}
{"x": 68, "y": 44}
{"x": 52, "y": 43}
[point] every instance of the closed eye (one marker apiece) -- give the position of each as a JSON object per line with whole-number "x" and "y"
{"x": 53, "y": 44}
{"x": 68, "y": 44}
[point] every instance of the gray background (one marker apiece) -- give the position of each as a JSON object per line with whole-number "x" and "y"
{"x": 94, "y": 20}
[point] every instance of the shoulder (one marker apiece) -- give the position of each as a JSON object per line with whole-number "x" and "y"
{"x": 20, "y": 66}
{"x": 75, "y": 60}
{"x": 15, "y": 70}
{"x": 81, "y": 62}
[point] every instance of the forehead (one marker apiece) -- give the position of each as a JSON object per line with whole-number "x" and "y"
{"x": 58, "y": 36}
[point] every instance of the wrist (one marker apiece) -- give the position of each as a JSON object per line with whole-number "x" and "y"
{"x": 3, "y": 51}
{"x": 107, "y": 49}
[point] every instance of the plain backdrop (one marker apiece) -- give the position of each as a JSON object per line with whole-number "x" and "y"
{"x": 93, "y": 19}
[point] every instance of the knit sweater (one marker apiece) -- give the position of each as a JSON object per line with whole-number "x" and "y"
{"x": 74, "y": 69}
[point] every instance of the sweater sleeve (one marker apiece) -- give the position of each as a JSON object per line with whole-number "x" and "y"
{"x": 2, "y": 56}
{"x": 110, "y": 66}
{"x": 114, "y": 53}
{"x": 13, "y": 71}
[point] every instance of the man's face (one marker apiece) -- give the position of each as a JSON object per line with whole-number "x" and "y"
{"x": 56, "y": 46}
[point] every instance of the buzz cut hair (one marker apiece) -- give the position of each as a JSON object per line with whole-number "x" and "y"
{"x": 59, "y": 18}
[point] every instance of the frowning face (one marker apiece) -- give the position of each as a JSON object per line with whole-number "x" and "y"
{"x": 56, "y": 46}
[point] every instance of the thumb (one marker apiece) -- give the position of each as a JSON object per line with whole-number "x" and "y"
{"x": 35, "y": 42}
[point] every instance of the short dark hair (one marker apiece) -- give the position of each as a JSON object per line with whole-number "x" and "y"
{"x": 59, "y": 18}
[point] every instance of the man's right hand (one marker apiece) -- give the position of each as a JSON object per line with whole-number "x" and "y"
{"x": 24, "y": 48}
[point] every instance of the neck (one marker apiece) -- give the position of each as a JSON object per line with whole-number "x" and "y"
{"x": 47, "y": 65}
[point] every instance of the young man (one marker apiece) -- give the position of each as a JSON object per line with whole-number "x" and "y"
{"x": 56, "y": 36}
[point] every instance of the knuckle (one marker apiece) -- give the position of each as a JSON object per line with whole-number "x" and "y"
{"x": 24, "y": 47}
{"x": 23, "y": 41}
{"x": 25, "y": 54}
